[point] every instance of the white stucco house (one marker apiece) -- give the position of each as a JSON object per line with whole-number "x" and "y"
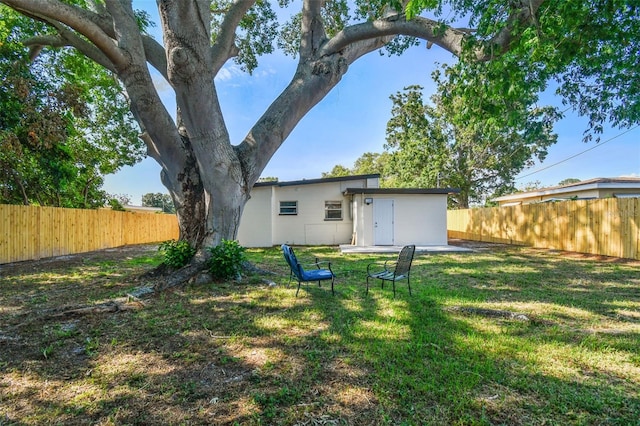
{"x": 620, "y": 187}
{"x": 343, "y": 210}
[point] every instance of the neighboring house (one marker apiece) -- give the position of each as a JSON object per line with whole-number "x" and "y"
{"x": 586, "y": 189}
{"x": 343, "y": 210}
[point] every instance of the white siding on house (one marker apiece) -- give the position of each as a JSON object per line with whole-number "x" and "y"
{"x": 419, "y": 215}
{"x": 262, "y": 225}
{"x": 418, "y": 219}
{"x": 421, "y": 220}
{"x": 256, "y": 224}
{"x": 592, "y": 188}
{"x": 309, "y": 226}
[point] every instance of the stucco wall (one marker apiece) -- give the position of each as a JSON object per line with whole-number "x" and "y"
{"x": 256, "y": 224}
{"x": 309, "y": 225}
{"x": 262, "y": 225}
{"x": 418, "y": 219}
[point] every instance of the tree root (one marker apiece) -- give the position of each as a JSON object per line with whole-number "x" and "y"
{"x": 164, "y": 278}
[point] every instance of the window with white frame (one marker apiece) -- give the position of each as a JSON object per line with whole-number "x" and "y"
{"x": 288, "y": 207}
{"x": 333, "y": 210}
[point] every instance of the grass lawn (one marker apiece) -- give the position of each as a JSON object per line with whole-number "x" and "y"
{"x": 251, "y": 353}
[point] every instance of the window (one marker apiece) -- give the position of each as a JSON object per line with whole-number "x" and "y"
{"x": 288, "y": 207}
{"x": 333, "y": 210}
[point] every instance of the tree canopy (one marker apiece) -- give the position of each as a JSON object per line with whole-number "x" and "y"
{"x": 367, "y": 163}
{"x": 587, "y": 49}
{"x": 64, "y": 123}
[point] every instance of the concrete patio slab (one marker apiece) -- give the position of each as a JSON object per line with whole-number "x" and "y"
{"x": 350, "y": 249}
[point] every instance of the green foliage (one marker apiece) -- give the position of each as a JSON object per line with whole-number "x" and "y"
{"x": 176, "y": 254}
{"x": 568, "y": 181}
{"x": 64, "y": 123}
{"x": 115, "y": 204}
{"x": 479, "y": 132}
{"x": 226, "y": 259}
{"x": 159, "y": 200}
{"x": 367, "y": 163}
{"x": 590, "y": 48}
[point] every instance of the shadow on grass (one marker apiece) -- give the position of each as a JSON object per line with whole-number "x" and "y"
{"x": 247, "y": 354}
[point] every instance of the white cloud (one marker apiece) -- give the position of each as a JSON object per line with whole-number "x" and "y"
{"x": 229, "y": 73}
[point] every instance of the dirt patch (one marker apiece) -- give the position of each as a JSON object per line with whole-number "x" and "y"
{"x": 78, "y": 259}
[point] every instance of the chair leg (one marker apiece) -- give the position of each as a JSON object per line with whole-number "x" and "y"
{"x": 367, "y": 284}
{"x": 409, "y": 284}
{"x": 332, "y": 292}
{"x": 394, "y": 289}
{"x": 298, "y": 290}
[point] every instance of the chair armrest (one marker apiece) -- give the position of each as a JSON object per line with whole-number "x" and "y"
{"x": 376, "y": 264}
{"x": 392, "y": 263}
{"x": 317, "y": 264}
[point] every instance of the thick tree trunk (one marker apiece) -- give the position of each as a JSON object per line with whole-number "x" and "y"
{"x": 209, "y": 215}
{"x": 209, "y": 202}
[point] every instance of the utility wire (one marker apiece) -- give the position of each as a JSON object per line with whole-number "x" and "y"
{"x": 575, "y": 155}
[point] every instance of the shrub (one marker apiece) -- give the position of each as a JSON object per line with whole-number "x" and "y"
{"x": 116, "y": 205}
{"x": 226, "y": 260}
{"x": 176, "y": 253}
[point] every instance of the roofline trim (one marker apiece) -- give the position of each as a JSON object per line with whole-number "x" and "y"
{"x": 319, "y": 180}
{"x": 402, "y": 191}
{"x": 586, "y": 186}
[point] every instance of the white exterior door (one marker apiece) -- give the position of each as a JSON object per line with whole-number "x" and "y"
{"x": 383, "y": 222}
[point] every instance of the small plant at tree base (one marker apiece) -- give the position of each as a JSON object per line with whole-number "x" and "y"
{"x": 226, "y": 260}
{"x": 176, "y": 253}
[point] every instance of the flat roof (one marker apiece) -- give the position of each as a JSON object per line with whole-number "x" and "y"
{"x": 374, "y": 191}
{"x": 585, "y": 185}
{"x": 319, "y": 180}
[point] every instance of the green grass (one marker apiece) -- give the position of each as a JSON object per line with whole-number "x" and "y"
{"x": 250, "y": 353}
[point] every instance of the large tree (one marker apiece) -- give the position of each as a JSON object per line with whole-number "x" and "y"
{"x": 208, "y": 175}
{"x": 476, "y": 144}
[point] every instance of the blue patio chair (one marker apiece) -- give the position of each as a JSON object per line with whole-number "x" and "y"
{"x": 304, "y": 275}
{"x": 395, "y": 271}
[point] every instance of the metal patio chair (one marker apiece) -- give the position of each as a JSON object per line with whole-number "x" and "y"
{"x": 394, "y": 271}
{"x": 306, "y": 275}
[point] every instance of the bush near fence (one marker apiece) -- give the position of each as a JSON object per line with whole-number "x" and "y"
{"x": 34, "y": 232}
{"x": 608, "y": 227}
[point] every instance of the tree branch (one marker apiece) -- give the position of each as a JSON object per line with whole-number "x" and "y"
{"x": 224, "y": 46}
{"x": 155, "y": 55}
{"x": 313, "y": 33}
{"x": 66, "y": 38}
{"x": 450, "y": 39}
{"x": 80, "y": 20}
{"x": 500, "y": 43}
{"x": 423, "y": 28}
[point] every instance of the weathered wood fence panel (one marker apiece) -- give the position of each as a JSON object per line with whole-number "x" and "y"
{"x": 33, "y": 232}
{"x": 608, "y": 227}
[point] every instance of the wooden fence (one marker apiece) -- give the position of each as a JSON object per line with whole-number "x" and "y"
{"x": 32, "y": 232}
{"x": 609, "y": 227}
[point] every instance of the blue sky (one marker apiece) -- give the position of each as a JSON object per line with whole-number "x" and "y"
{"x": 352, "y": 119}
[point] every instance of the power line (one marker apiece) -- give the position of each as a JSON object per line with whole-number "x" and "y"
{"x": 580, "y": 153}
